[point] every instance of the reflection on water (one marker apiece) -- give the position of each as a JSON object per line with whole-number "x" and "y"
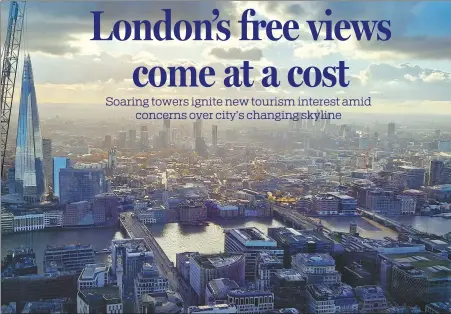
{"x": 100, "y": 238}
{"x": 437, "y": 225}
{"x": 175, "y": 238}
{"x": 366, "y": 227}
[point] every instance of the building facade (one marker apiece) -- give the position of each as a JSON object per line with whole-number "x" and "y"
{"x": 29, "y": 165}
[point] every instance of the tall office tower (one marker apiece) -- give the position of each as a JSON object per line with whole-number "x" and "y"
{"x": 48, "y": 162}
{"x": 144, "y": 138}
{"x": 29, "y": 175}
{"x": 214, "y": 137}
{"x": 112, "y": 158}
{"x": 167, "y": 129}
{"x": 80, "y": 184}
{"x": 122, "y": 139}
{"x": 58, "y": 164}
{"x": 108, "y": 143}
{"x": 198, "y": 128}
{"x": 132, "y": 139}
{"x": 436, "y": 171}
{"x": 391, "y": 129}
{"x": 174, "y": 136}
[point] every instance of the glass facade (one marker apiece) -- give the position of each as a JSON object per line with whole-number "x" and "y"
{"x": 77, "y": 185}
{"x": 29, "y": 173}
{"x": 58, "y": 164}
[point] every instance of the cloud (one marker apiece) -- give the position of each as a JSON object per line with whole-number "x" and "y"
{"x": 253, "y": 54}
{"x": 50, "y": 26}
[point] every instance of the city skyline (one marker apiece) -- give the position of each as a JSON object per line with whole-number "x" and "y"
{"x": 411, "y": 72}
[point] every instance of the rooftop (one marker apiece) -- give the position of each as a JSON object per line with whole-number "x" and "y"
{"x": 268, "y": 258}
{"x": 369, "y": 292}
{"x": 252, "y": 236}
{"x": 217, "y": 260}
{"x": 314, "y": 259}
{"x": 422, "y": 264}
{"x": 109, "y": 294}
{"x": 340, "y": 291}
{"x": 219, "y": 287}
{"x": 50, "y": 248}
{"x": 289, "y": 275}
{"x": 290, "y": 235}
{"x": 440, "y": 307}
{"x": 91, "y": 271}
{"x": 244, "y": 293}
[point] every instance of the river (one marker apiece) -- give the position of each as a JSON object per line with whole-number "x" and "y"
{"x": 174, "y": 238}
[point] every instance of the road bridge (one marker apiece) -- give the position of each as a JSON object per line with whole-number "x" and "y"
{"x": 136, "y": 229}
{"x": 297, "y": 219}
{"x": 388, "y": 222}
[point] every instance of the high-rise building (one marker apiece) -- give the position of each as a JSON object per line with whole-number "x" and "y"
{"x": 144, "y": 138}
{"x": 80, "y": 184}
{"x": 197, "y": 128}
{"x": 132, "y": 139}
{"x": 108, "y": 143}
{"x": 391, "y": 129}
{"x": 48, "y": 163}
{"x": 29, "y": 174}
{"x": 436, "y": 171}
{"x": 214, "y": 137}
{"x": 58, "y": 164}
{"x": 122, "y": 139}
{"x": 167, "y": 129}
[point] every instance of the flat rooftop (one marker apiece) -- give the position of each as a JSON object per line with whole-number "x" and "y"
{"x": 314, "y": 259}
{"x": 91, "y": 270}
{"x": 217, "y": 260}
{"x": 427, "y": 263}
{"x": 252, "y": 237}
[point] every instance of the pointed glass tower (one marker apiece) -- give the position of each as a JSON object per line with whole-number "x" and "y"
{"x": 29, "y": 173}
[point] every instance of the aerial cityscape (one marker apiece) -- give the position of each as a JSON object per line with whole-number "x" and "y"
{"x": 103, "y": 213}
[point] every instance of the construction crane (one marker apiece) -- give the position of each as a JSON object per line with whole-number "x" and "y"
{"x": 10, "y": 60}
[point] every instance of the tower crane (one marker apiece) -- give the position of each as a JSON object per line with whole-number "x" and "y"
{"x": 10, "y": 58}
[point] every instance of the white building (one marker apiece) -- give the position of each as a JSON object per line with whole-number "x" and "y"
{"x": 28, "y": 221}
{"x": 407, "y": 204}
{"x": 149, "y": 281}
{"x": 250, "y": 301}
{"x": 93, "y": 276}
{"x": 213, "y": 309}
{"x": 53, "y": 218}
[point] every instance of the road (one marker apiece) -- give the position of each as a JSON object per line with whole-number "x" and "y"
{"x": 297, "y": 217}
{"x": 137, "y": 229}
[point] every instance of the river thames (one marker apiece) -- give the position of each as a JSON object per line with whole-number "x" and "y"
{"x": 175, "y": 238}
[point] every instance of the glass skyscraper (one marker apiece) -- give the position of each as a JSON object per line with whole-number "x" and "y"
{"x": 77, "y": 185}
{"x": 58, "y": 164}
{"x": 29, "y": 168}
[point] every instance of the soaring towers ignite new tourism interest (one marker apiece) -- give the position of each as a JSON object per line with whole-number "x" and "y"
{"x": 29, "y": 169}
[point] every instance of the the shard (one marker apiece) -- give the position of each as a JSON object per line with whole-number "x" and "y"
{"x": 29, "y": 168}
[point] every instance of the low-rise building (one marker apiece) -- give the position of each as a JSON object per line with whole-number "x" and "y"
{"x": 94, "y": 275}
{"x": 371, "y": 299}
{"x": 331, "y": 299}
{"x": 318, "y": 268}
{"x": 99, "y": 300}
{"x": 250, "y": 301}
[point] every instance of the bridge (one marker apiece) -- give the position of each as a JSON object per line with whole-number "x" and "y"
{"x": 136, "y": 229}
{"x": 296, "y": 219}
{"x": 388, "y": 222}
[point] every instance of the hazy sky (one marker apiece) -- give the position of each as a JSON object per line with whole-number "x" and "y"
{"x": 410, "y": 72}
